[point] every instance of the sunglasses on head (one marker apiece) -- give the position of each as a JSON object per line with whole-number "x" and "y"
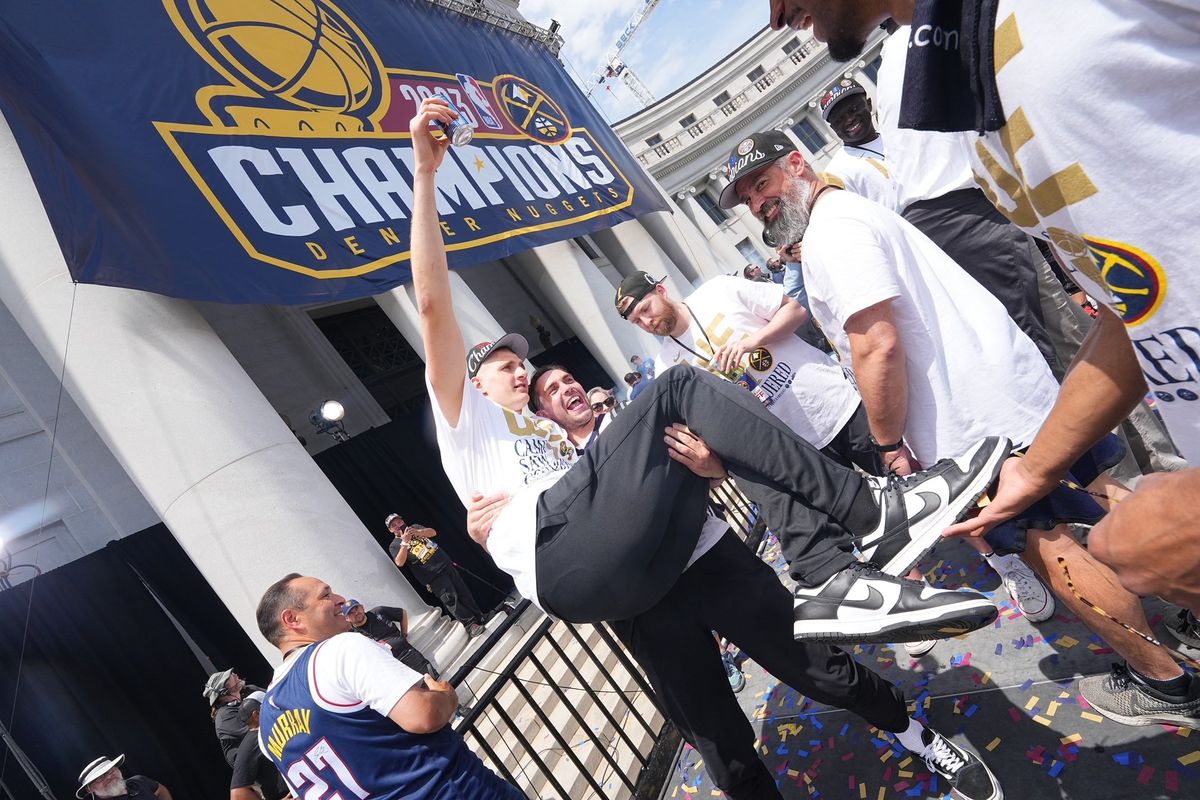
{"x": 603, "y": 404}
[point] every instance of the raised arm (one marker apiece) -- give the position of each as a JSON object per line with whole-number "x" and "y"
{"x": 445, "y": 352}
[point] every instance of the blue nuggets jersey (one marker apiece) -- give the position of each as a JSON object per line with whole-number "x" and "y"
{"x": 331, "y": 747}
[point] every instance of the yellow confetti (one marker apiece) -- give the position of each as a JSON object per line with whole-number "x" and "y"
{"x": 1033, "y": 701}
{"x": 882, "y": 791}
{"x": 793, "y": 772}
{"x": 690, "y": 789}
{"x": 903, "y": 773}
{"x": 886, "y": 755}
{"x": 1063, "y": 695}
{"x": 993, "y": 744}
{"x": 987, "y": 677}
{"x": 862, "y": 791}
{"x": 1072, "y": 739}
{"x": 1183, "y": 732}
{"x": 1054, "y": 704}
{"x": 904, "y": 764}
{"x": 1092, "y": 717}
{"x": 1041, "y": 719}
{"x": 1190, "y": 758}
{"x": 1066, "y": 641}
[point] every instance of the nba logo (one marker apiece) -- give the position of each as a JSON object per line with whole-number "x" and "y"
{"x": 479, "y": 100}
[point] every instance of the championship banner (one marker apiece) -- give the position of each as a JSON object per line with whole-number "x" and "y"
{"x": 257, "y": 151}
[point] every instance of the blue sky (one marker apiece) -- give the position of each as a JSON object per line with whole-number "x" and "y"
{"x": 679, "y": 40}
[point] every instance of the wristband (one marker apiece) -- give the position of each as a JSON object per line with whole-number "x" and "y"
{"x": 887, "y": 448}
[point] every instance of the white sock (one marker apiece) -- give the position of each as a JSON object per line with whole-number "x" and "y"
{"x": 911, "y": 736}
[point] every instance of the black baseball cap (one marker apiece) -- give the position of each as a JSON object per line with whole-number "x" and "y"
{"x": 752, "y": 154}
{"x": 637, "y": 286}
{"x": 837, "y": 94}
{"x": 477, "y": 354}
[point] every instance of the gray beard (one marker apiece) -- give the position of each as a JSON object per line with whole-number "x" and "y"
{"x": 114, "y": 789}
{"x": 795, "y": 210}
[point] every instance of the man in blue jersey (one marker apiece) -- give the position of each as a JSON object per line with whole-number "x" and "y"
{"x": 343, "y": 717}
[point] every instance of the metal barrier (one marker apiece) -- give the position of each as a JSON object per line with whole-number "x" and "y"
{"x": 568, "y": 714}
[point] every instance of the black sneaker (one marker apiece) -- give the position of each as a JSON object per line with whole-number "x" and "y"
{"x": 1123, "y": 696}
{"x": 968, "y": 776}
{"x": 862, "y": 604}
{"x": 1183, "y": 625}
{"x": 918, "y": 507}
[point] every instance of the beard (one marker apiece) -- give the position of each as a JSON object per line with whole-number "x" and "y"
{"x": 666, "y": 323}
{"x": 795, "y": 210}
{"x": 115, "y": 788}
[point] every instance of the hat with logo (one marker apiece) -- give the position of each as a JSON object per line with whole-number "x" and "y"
{"x": 214, "y": 687}
{"x": 479, "y": 353}
{"x": 751, "y": 155}
{"x": 252, "y": 703}
{"x": 837, "y": 94}
{"x": 635, "y": 286}
{"x": 95, "y": 770}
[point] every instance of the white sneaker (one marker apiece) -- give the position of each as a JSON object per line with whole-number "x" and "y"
{"x": 918, "y": 649}
{"x": 1025, "y": 588}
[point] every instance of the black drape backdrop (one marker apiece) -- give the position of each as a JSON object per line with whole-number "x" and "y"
{"x": 106, "y": 671}
{"x": 397, "y": 468}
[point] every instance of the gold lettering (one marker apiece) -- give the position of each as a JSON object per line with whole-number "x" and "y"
{"x": 354, "y": 246}
{"x": 306, "y": 717}
{"x": 551, "y": 210}
{"x": 582, "y": 202}
{"x": 599, "y": 199}
{"x": 533, "y": 212}
{"x": 446, "y": 227}
{"x": 567, "y": 205}
{"x": 718, "y": 334}
{"x": 1007, "y": 41}
{"x": 389, "y": 236}
{"x": 471, "y": 223}
{"x": 316, "y": 250}
{"x": 519, "y": 425}
{"x": 613, "y": 192}
{"x": 513, "y": 214}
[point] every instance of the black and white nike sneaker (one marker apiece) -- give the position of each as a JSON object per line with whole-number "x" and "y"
{"x": 916, "y": 508}
{"x": 968, "y": 776}
{"x": 860, "y": 604}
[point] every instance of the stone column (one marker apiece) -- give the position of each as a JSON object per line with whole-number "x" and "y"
{"x": 192, "y": 431}
{"x": 725, "y": 256}
{"x": 475, "y": 321}
{"x": 630, "y": 247}
{"x": 583, "y": 297}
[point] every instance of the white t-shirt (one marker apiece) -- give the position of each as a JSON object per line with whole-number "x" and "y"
{"x": 351, "y": 671}
{"x": 872, "y": 149}
{"x": 1103, "y": 140}
{"x": 863, "y": 175}
{"x": 924, "y": 164}
{"x": 494, "y": 450}
{"x": 971, "y": 371}
{"x": 796, "y": 382}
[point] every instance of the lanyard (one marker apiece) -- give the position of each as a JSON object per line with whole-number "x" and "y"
{"x": 713, "y": 350}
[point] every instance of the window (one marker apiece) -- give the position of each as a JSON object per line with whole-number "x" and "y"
{"x": 654, "y": 141}
{"x": 810, "y": 135}
{"x": 791, "y": 45}
{"x": 872, "y": 70}
{"x": 750, "y": 253}
{"x": 688, "y": 121}
{"x": 721, "y": 99}
{"x": 755, "y": 74}
{"x": 714, "y": 211}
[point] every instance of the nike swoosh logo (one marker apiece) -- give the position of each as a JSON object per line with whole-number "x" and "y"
{"x": 872, "y": 602}
{"x": 932, "y": 503}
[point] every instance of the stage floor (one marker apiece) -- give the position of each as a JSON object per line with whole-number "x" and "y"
{"x": 1008, "y": 691}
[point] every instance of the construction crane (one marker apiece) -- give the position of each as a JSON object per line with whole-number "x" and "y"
{"x": 614, "y": 67}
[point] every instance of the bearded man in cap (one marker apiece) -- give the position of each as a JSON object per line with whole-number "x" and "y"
{"x": 103, "y": 779}
{"x": 224, "y": 691}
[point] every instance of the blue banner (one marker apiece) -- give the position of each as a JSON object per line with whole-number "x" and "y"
{"x": 257, "y": 151}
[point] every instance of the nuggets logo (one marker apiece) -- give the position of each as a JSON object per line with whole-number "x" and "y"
{"x": 761, "y": 359}
{"x": 306, "y": 157}
{"x": 1136, "y": 280}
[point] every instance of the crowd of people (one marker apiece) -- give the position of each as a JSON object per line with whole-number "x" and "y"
{"x": 919, "y": 343}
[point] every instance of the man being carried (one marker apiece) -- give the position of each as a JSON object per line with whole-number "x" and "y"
{"x": 727, "y": 589}
{"x": 342, "y": 717}
{"x": 557, "y": 539}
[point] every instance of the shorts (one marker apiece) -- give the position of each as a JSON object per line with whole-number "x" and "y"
{"x": 1063, "y": 504}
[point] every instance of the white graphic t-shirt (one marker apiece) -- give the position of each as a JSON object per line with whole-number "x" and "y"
{"x": 495, "y": 450}
{"x": 796, "y": 381}
{"x": 971, "y": 371}
{"x": 864, "y": 175}
{"x": 1101, "y": 156}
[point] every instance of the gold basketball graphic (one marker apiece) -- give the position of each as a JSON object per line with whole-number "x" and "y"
{"x": 303, "y": 52}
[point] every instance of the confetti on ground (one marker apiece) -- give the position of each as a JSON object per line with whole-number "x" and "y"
{"x": 992, "y": 745}
{"x": 1190, "y": 758}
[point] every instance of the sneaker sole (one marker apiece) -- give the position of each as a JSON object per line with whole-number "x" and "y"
{"x": 1178, "y": 720}
{"x": 1046, "y": 614}
{"x": 915, "y": 550}
{"x": 942, "y": 623}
